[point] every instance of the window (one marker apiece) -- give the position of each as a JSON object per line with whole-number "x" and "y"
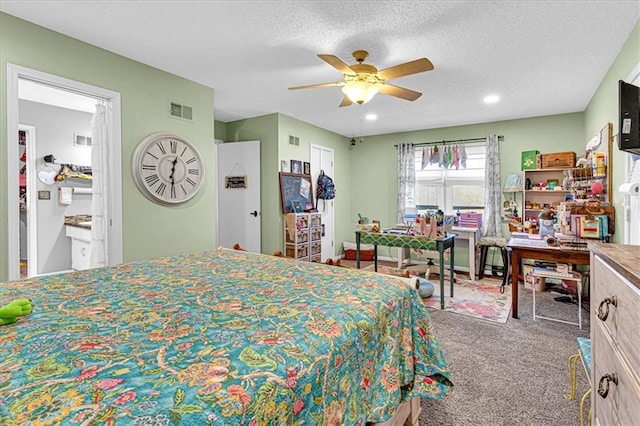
{"x": 449, "y": 189}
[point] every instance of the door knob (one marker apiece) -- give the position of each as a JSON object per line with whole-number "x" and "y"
{"x": 254, "y": 213}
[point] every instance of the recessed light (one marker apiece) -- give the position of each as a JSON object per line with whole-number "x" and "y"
{"x": 371, "y": 117}
{"x": 491, "y": 99}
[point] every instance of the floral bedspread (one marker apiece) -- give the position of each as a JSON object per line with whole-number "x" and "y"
{"x": 218, "y": 337}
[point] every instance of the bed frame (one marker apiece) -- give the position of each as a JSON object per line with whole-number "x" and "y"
{"x": 407, "y": 414}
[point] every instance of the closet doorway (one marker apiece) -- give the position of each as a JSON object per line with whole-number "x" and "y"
{"x": 24, "y": 192}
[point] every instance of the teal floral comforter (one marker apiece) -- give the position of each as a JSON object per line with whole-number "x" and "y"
{"x": 219, "y": 337}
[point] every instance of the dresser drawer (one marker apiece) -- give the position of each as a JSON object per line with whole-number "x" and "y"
{"x": 622, "y": 320}
{"x": 622, "y": 403}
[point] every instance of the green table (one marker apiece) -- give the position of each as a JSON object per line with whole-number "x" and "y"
{"x": 409, "y": 241}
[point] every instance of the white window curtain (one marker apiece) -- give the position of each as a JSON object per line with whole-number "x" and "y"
{"x": 406, "y": 179}
{"x": 492, "y": 221}
{"x": 100, "y": 141}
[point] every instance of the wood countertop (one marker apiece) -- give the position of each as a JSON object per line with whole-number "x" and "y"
{"x": 624, "y": 258}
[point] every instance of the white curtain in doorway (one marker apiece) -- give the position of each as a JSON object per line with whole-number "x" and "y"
{"x": 100, "y": 141}
{"x": 406, "y": 178}
{"x": 492, "y": 226}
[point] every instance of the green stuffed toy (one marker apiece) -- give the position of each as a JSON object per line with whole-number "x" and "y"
{"x": 9, "y": 313}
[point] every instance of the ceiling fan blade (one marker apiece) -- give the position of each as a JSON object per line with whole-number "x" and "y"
{"x": 399, "y": 92}
{"x": 408, "y": 68}
{"x": 337, "y": 63}
{"x": 315, "y": 86}
{"x": 345, "y": 101}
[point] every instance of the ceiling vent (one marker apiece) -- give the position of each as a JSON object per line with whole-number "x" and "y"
{"x": 294, "y": 140}
{"x": 177, "y": 110}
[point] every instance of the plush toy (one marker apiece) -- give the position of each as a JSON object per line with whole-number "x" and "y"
{"x": 9, "y": 313}
{"x": 546, "y": 219}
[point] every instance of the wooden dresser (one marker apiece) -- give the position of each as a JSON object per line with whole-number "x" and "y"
{"x": 615, "y": 333}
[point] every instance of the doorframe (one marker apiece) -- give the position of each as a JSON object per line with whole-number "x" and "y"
{"x": 32, "y": 223}
{"x": 14, "y": 74}
{"x": 333, "y": 209}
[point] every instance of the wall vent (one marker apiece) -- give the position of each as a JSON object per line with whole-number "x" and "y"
{"x": 81, "y": 140}
{"x": 180, "y": 111}
{"x": 294, "y": 140}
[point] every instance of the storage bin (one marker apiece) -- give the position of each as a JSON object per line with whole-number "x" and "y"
{"x": 316, "y": 247}
{"x": 297, "y": 251}
{"x": 366, "y": 251}
{"x": 470, "y": 220}
{"x": 559, "y": 159}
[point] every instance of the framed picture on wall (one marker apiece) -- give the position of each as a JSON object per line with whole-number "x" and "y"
{"x": 307, "y": 168}
{"x": 296, "y": 166}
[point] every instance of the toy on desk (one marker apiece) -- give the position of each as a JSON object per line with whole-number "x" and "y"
{"x": 546, "y": 219}
{"x": 10, "y": 312}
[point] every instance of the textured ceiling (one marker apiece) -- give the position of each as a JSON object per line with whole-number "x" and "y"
{"x": 541, "y": 57}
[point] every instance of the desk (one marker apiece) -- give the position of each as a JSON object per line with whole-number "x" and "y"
{"x": 553, "y": 254}
{"x": 409, "y": 241}
{"x": 472, "y": 235}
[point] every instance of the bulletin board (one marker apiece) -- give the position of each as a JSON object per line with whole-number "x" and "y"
{"x": 296, "y": 187}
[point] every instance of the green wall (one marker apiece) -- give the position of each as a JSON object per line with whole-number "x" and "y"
{"x": 149, "y": 230}
{"x": 374, "y": 189}
{"x": 264, "y": 129}
{"x": 220, "y": 130}
{"x": 273, "y": 132}
{"x": 342, "y": 174}
{"x": 603, "y": 109}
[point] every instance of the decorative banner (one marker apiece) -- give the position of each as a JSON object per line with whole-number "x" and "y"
{"x": 233, "y": 182}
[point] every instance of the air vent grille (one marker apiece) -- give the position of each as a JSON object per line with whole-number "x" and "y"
{"x": 294, "y": 140}
{"x": 180, "y": 111}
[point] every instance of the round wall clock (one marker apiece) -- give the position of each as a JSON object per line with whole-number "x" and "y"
{"x": 167, "y": 169}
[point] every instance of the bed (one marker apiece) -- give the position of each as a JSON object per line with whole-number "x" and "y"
{"x": 217, "y": 337}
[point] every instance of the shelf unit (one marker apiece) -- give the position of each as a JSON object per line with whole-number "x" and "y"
{"x": 303, "y": 236}
{"x": 534, "y": 200}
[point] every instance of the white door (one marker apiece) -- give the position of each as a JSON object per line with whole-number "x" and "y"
{"x": 322, "y": 159}
{"x": 238, "y": 169}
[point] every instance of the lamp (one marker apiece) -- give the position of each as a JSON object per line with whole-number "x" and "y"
{"x": 360, "y": 91}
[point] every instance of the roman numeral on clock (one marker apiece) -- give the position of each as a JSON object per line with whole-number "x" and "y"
{"x": 191, "y": 160}
{"x": 161, "y": 147}
{"x": 194, "y": 172}
{"x": 160, "y": 189}
{"x": 148, "y": 167}
{"x": 191, "y": 182}
{"x": 174, "y": 146}
{"x": 152, "y": 179}
{"x": 173, "y": 191}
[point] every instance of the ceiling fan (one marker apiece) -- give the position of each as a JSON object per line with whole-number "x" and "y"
{"x": 363, "y": 81}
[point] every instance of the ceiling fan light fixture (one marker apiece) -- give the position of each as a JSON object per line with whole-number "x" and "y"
{"x": 360, "y": 91}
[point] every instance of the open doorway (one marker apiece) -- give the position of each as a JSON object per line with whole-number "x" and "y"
{"x": 33, "y": 98}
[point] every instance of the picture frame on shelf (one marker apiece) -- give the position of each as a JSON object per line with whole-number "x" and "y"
{"x": 296, "y": 166}
{"x": 307, "y": 168}
{"x": 284, "y": 166}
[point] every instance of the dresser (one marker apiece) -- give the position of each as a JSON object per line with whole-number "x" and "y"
{"x": 615, "y": 333}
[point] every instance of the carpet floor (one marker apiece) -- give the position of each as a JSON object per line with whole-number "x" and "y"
{"x": 511, "y": 373}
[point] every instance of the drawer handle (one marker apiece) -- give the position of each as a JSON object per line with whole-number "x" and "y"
{"x": 603, "y": 314}
{"x": 604, "y": 380}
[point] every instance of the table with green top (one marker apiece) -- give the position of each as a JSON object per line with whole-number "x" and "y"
{"x": 409, "y": 241}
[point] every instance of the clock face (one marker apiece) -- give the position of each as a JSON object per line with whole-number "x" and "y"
{"x": 167, "y": 168}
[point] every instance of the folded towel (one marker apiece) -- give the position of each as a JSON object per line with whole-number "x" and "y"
{"x": 65, "y": 195}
